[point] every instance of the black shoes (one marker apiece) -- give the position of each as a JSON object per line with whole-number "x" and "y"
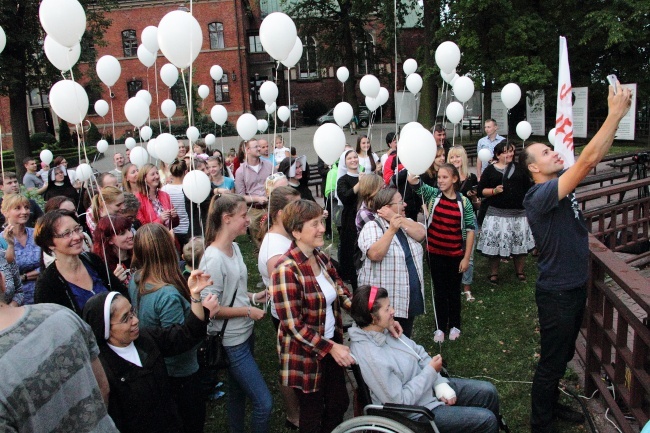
{"x": 566, "y": 413}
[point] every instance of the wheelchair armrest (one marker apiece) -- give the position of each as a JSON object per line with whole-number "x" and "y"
{"x": 402, "y": 408}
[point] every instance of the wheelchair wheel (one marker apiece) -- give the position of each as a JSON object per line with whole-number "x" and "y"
{"x": 368, "y": 423}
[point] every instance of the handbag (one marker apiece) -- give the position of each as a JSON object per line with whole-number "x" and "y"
{"x": 211, "y": 354}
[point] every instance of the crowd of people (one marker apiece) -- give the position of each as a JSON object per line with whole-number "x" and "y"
{"x": 141, "y": 276}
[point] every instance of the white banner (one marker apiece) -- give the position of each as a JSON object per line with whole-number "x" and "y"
{"x": 535, "y": 111}
{"x": 580, "y": 111}
{"x": 564, "y": 113}
{"x": 499, "y": 114}
{"x": 627, "y": 125}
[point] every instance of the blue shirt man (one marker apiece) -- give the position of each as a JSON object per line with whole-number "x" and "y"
{"x": 488, "y": 142}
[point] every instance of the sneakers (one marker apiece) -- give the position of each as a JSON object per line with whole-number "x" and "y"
{"x": 454, "y": 333}
{"x": 567, "y": 413}
{"x": 439, "y": 336}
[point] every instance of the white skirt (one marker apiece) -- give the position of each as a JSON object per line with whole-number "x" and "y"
{"x": 505, "y": 236}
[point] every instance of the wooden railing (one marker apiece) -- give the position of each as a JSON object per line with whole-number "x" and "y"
{"x": 617, "y": 336}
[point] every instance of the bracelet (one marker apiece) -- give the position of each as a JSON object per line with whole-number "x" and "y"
{"x": 494, "y": 191}
{"x": 196, "y": 301}
{"x": 249, "y": 312}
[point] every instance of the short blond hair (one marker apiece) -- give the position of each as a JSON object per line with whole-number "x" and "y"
{"x": 10, "y": 201}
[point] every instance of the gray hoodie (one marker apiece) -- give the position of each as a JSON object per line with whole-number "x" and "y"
{"x": 396, "y": 371}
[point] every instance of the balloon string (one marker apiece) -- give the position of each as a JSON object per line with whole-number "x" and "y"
{"x": 2, "y": 159}
{"x": 289, "y": 100}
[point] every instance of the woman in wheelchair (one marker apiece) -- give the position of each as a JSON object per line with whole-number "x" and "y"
{"x": 400, "y": 371}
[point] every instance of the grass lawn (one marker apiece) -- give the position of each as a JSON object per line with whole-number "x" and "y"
{"x": 499, "y": 340}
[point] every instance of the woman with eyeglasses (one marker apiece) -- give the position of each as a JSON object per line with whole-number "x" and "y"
{"x": 141, "y": 399}
{"x": 75, "y": 276}
{"x": 15, "y": 208}
{"x": 392, "y": 256}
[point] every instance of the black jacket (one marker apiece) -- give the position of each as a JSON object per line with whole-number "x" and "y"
{"x": 51, "y": 287}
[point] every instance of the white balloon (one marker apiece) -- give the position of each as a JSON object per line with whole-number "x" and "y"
{"x": 192, "y": 133}
{"x": 210, "y": 139}
{"x": 510, "y": 95}
{"x": 166, "y": 148}
{"x": 216, "y": 72}
{"x": 414, "y": 83}
{"x": 294, "y": 55}
{"x": 269, "y": 92}
{"x": 278, "y": 35}
{"x": 63, "y": 58}
{"x": 270, "y": 108}
{"x": 416, "y": 150}
{"x": 410, "y": 66}
{"x": 342, "y": 74}
{"x": 372, "y": 103}
{"x": 454, "y": 79}
{"x": 108, "y": 70}
{"x": 138, "y": 156}
{"x": 369, "y": 86}
{"x": 447, "y": 56}
{"x": 551, "y": 137}
{"x": 145, "y": 56}
{"x": 84, "y": 172}
{"x": 464, "y": 89}
{"x": 169, "y": 74}
{"x": 101, "y": 107}
{"x": 180, "y": 38}
{"x": 151, "y": 148}
{"x": 46, "y": 156}
{"x": 329, "y": 142}
{"x": 455, "y": 112}
{"x": 262, "y": 125}
{"x": 204, "y": 91}
{"x": 284, "y": 113}
{"x": 383, "y": 96}
{"x": 219, "y": 114}
{"x": 196, "y": 186}
{"x": 149, "y": 39}
{"x": 145, "y": 133}
{"x": 130, "y": 143}
{"x": 102, "y": 146}
{"x": 524, "y": 129}
{"x": 411, "y": 125}
{"x": 136, "y": 111}
{"x": 247, "y": 126}
{"x": 64, "y": 20}
{"x": 484, "y": 155}
{"x": 343, "y": 113}
{"x": 3, "y": 39}
{"x": 144, "y": 95}
{"x": 447, "y": 77}
{"x": 168, "y": 107}
{"x": 69, "y": 101}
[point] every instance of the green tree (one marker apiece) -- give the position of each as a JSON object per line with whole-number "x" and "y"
{"x": 23, "y": 64}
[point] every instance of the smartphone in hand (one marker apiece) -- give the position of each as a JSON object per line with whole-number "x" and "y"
{"x": 611, "y": 79}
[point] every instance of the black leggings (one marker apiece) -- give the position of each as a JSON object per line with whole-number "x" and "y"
{"x": 446, "y": 284}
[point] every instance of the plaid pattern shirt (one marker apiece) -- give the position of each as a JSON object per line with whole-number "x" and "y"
{"x": 391, "y": 272}
{"x": 301, "y": 308}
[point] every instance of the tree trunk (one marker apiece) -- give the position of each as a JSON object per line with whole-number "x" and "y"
{"x": 19, "y": 126}
{"x": 487, "y": 98}
{"x": 429, "y": 93}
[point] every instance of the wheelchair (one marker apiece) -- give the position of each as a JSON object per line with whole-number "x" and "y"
{"x": 386, "y": 418}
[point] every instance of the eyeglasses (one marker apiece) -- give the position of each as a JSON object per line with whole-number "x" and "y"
{"x": 126, "y": 319}
{"x": 68, "y": 233}
{"x": 399, "y": 203}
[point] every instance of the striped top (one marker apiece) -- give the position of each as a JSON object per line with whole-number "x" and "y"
{"x": 444, "y": 235}
{"x": 178, "y": 201}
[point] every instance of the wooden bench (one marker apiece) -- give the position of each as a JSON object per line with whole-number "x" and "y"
{"x": 602, "y": 178}
{"x": 315, "y": 179}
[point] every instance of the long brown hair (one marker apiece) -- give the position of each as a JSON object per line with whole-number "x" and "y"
{"x": 105, "y": 196}
{"x": 154, "y": 255}
{"x": 373, "y": 164}
{"x": 219, "y": 206}
{"x": 142, "y": 178}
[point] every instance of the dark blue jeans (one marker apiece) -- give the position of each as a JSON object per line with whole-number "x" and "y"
{"x": 560, "y": 317}
{"x": 475, "y": 411}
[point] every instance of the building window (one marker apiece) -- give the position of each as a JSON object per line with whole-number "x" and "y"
{"x": 365, "y": 48}
{"x": 254, "y": 44}
{"x": 88, "y": 52}
{"x": 308, "y": 65}
{"x": 222, "y": 89}
{"x": 178, "y": 95}
{"x": 38, "y": 98}
{"x": 216, "y": 36}
{"x": 129, "y": 43}
{"x": 133, "y": 87}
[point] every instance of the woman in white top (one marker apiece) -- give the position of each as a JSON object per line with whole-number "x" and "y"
{"x": 174, "y": 188}
{"x": 367, "y": 158}
{"x": 228, "y": 219}
{"x": 275, "y": 243}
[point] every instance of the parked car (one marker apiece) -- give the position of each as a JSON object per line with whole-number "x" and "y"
{"x": 363, "y": 116}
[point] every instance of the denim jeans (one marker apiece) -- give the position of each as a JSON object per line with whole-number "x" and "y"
{"x": 246, "y": 381}
{"x": 560, "y": 317}
{"x": 475, "y": 411}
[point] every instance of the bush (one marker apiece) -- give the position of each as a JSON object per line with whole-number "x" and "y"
{"x": 312, "y": 110}
{"x": 42, "y": 139}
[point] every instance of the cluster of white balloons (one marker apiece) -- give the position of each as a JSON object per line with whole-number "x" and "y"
{"x": 447, "y": 58}
{"x": 413, "y": 80}
{"x": 376, "y": 96}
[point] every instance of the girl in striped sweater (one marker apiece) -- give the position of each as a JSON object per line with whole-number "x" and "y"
{"x": 450, "y": 236}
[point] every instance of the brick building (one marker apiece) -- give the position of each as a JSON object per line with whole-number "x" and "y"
{"x": 230, "y": 39}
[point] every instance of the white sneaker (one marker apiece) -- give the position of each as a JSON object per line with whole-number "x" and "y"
{"x": 454, "y": 333}
{"x": 439, "y": 336}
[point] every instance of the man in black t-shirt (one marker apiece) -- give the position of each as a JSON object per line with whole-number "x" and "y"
{"x": 561, "y": 237}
